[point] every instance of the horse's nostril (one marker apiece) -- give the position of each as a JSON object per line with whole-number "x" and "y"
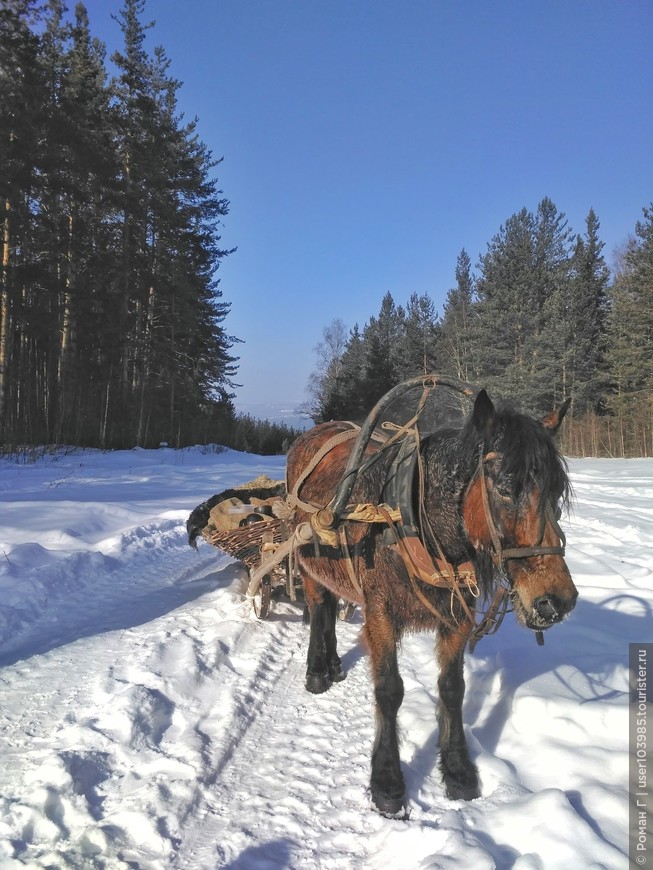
{"x": 547, "y": 608}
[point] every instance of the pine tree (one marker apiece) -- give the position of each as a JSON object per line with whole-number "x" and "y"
{"x": 53, "y": 227}
{"x": 196, "y": 367}
{"x": 91, "y": 231}
{"x": 22, "y": 100}
{"x": 136, "y": 134}
{"x": 111, "y": 316}
{"x": 173, "y": 351}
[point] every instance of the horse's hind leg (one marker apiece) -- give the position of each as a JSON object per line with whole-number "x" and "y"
{"x": 459, "y": 773}
{"x": 387, "y": 782}
{"x": 323, "y": 665}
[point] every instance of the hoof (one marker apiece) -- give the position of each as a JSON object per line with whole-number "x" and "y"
{"x": 336, "y": 673}
{"x": 389, "y": 806}
{"x": 460, "y": 776}
{"x": 317, "y": 683}
{"x": 462, "y": 792}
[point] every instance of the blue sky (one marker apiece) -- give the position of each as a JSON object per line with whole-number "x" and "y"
{"x": 365, "y": 142}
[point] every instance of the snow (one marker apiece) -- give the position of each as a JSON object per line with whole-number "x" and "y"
{"x": 148, "y": 720}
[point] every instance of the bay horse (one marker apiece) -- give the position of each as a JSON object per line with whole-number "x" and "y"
{"x": 490, "y": 494}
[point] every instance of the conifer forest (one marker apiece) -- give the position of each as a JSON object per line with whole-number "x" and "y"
{"x": 111, "y": 318}
{"x": 113, "y": 323}
{"x": 540, "y": 320}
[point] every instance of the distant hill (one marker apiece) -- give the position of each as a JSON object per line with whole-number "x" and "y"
{"x": 276, "y": 412}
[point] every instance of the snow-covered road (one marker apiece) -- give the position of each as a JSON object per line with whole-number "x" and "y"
{"x": 148, "y": 720}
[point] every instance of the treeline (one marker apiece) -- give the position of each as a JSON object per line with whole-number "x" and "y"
{"x": 263, "y": 437}
{"x": 540, "y": 319}
{"x": 111, "y": 318}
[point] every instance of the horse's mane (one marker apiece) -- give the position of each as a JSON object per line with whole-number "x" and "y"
{"x": 530, "y": 457}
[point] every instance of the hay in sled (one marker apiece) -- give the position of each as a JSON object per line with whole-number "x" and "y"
{"x": 243, "y": 521}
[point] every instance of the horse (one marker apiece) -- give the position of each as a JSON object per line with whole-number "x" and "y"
{"x": 484, "y": 502}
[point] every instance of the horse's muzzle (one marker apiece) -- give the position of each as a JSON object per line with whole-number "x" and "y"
{"x": 549, "y": 609}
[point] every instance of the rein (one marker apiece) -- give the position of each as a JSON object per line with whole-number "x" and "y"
{"x": 499, "y": 607}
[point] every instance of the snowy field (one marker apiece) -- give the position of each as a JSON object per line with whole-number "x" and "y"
{"x": 148, "y": 720}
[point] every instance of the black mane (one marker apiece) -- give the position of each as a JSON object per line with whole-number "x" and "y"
{"x": 530, "y": 458}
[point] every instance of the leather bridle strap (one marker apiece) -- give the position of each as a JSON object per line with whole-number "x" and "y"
{"x": 500, "y": 554}
{"x": 489, "y": 519}
{"x": 491, "y": 622}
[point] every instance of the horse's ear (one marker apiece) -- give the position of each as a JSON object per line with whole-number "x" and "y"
{"x": 553, "y": 420}
{"x": 484, "y": 414}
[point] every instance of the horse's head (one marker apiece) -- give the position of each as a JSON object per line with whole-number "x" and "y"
{"x": 512, "y": 506}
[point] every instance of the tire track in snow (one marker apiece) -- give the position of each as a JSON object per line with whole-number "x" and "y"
{"x": 115, "y": 709}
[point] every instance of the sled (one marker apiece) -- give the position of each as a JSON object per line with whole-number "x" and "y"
{"x": 262, "y": 522}
{"x": 249, "y": 523}
{"x": 266, "y": 542}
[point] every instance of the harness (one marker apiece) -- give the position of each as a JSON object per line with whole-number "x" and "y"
{"x": 405, "y": 538}
{"x": 404, "y": 532}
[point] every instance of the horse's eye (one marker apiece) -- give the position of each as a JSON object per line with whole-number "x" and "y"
{"x": 558, "y": 511}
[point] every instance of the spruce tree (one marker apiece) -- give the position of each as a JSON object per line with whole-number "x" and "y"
{"x": 351, "y": 382}
{"x": 457, "y": 329}
{"x": 584, "y": 357}
{"x": 381, "y": 341}
{"x": 521, "y": 300}
{"x": 549, "y": 303}
{"x": 630, "y": 346}
{"x": 505, "y": 293}
{"x": 418, "y": 347}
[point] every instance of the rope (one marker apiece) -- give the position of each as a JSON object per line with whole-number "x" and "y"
{"x": 340, "y": 438}
{"x": 353, "y": 576}
{"x": 276, "y": 553}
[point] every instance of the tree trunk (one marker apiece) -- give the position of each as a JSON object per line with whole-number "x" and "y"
{"x": 4, "y": 322}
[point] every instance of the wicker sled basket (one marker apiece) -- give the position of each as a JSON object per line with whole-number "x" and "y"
{"x": 246, "y": 544}
{"x": 250, "y": 543}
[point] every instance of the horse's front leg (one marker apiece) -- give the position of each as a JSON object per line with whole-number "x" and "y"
{"x": 459, "y": 773}
{"x": 387, "y": 782}
{"x": 323, "y": 665}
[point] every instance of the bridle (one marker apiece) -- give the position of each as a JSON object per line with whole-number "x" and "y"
{"x": 502, "y": 554}
{"x": 493, "y": 618}
{"x": 499, "y": 605}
